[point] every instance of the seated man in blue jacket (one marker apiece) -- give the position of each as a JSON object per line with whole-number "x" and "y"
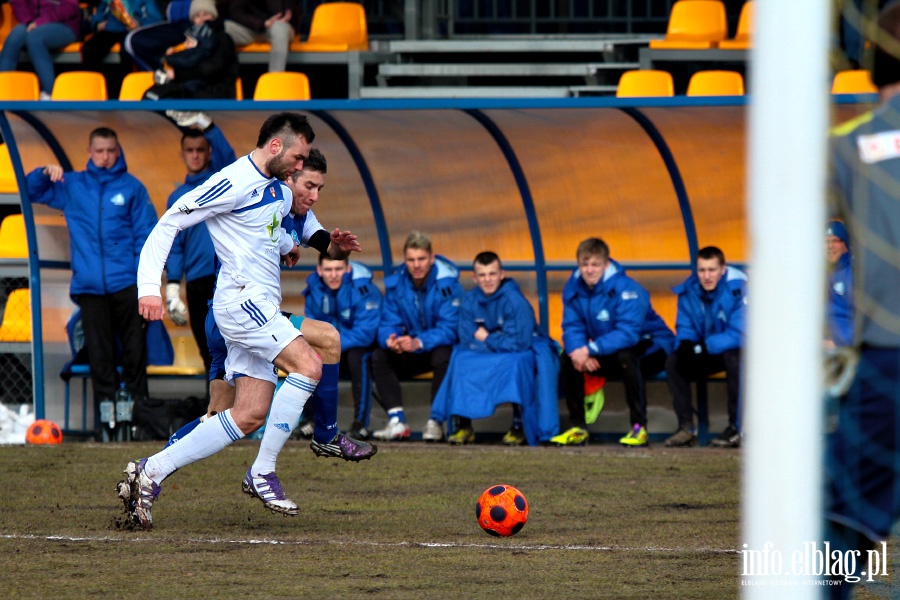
{"x": 840, "y": 286}
{"x": 712, "y": 307}
{"x": 609, "y": 330}
{"x": 341, "y": 293}
{"x": 109, "y": 216}
{"x": 417, "y": 331}
{"x": 502, "y": 356}
{"x": 193, "y": 256}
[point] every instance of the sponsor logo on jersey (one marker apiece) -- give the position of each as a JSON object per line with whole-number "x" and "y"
{"x": 626, "y": 295}
{"x": 254, "y": 194}
{"x": 184, "y": 208}
{"x": 273, "y": 227}
{"x": 603, "y": 315}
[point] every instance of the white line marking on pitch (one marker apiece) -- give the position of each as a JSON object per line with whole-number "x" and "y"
{"x": 60, "y": 538}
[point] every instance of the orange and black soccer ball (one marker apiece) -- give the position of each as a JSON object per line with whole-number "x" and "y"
{"x": 43, "y": 431}
{"x": 502, "y": 510}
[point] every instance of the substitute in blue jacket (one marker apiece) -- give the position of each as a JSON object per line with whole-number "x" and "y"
{"x": 840, "y": 286}
{"x": 192, "y": 256}
{"x": 109, "y": 215}
{"x": 417, "y": 331}
{"x": 502, "y": 356}
{"x": 341, "y": 293}
{"x": 709, "y": 331}
{"x": 609, "y": 330}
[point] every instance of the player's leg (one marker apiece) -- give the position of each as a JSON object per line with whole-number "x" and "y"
{"x": 352, "y": 360}
{"x": 627, "y": 364}
{"x": 385, "y": 366}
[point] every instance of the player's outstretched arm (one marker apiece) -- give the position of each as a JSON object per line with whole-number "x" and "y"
{"x": 342, "y": 244}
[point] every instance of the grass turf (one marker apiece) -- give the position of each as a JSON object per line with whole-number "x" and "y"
{"x": 605, "y": 522}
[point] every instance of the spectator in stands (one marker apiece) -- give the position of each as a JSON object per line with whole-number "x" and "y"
{"x": 147, "y": 44}
{"x": 500, "y": 350}
{"x": 609, "y": 330}
{"x": 840, "y": 286}
{"x": 110, "y": 24}
{"x": 44, "y": 26}
{"x": 273, "y": 21}
{"x": 417, "y": 331}
{"x": 207, "y": 67}
{"x": 204, "y": 152}
{"x": 109, "y": 215}
{"x": 862, "y": 457}
{"x": 342, "y": 294}
{"x": 709, "y": 332}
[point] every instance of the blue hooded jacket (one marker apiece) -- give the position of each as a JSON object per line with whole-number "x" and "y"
{"x": 517, "y": 363}
{"x": 718, "y": 317}
{"x": 840, "y": 301}
{"x": 193, "y": 255}
{"x": 354, "y": 309}
{"x": 615, "y": 315}
{"x": 429, "y": 313}
{"x": 109, "y": 216}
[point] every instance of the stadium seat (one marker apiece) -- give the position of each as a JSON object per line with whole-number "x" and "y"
{"x": 135, "y": 84}
{"x": 7, "y": 21}
{"x": 645, "y": 83}
{"x": 743, "y": 38}
{"x": 16, "y": 326}
{"x": 858, "y": 81}
{"x": 287, "y": 85}
{"x": 8, "y": 184}
{"x": 694, "y": 25}
{"x": 13, "y": 243}
{"x": 187, "y": 361}
{"x": 716, "y": 83}
{"x": 239, "y": 89}
{"x": 79, "y": 85}
{"x": 336, "y": 27}
{"x": 19, "y": 85}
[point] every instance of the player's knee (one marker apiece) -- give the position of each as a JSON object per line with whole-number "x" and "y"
{"x": 331, "y": 345}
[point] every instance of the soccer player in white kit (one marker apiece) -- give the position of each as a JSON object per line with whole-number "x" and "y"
{"x": 242, "y": 205}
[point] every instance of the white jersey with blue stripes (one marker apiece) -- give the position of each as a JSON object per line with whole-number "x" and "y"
{"x": 243, "y": 210}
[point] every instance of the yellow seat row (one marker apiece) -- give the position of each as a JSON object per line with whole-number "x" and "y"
{"x": 702, "y": 25}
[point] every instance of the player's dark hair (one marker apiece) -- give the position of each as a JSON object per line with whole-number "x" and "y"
{"x": 103, "y": 132}
{"x": 286, "y": 126}
{"x": 711, "y": 252}
{"x": 592, "y": 247}
{"x": 486, "y": 258}
{"x": 323, "y": 257}
{"x": 315, "y": 162}
{"x": 192, "y": 134}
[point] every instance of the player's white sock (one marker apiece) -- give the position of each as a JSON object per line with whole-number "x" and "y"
{"x": 206, "y": 439}
{"x": 287, "y": 406}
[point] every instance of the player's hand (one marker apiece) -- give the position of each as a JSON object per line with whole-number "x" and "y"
{"x": 54, "y": 172}
{"x": 392, "y": 344}
{"x": 345, "y": 241}
{"x": 579, "y": 357}
{"x": 151, "y": 307}
{"x": 290, "y": 259}
{"x": 174, "y": 304}
{"x": 591, "y": 365}
{"x": 481, "y": 333}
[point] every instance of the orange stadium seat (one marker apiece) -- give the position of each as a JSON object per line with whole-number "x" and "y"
{"x": 135, "y": 84}
{"x": 716, "y": 83}
{"x": 336, "y": 27}
{"x": 645, "y": 83}
{"x": 19, "y": 85}
{"x": 79, "y": 85}
{"x": 287, "y": 85}
{"x": 13, "y": 243}
{"x": 858, "y": 81}
{"x": 8, "y": 184}
{"x": 744, "y": 37}
{"x": 16, "y": 326}
{"x": 7, "y": 21}
{"x": 694, "y": 25}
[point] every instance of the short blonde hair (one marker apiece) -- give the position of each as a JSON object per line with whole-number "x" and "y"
{"x": 417, "y": 240}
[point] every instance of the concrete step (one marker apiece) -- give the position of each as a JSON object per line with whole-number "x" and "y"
{"x": 525, "y": 44}
{"x": 500, "y": 69}
{"x": 465, "y": 92}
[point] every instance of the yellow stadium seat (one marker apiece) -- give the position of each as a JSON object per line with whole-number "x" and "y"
{"x": 239, "y": 89}
{"x": 694, "y": 25}
{"x": 287, "y": 85}
{"x": 19, "y": 85}
{"x": 336, "y": 27}
{"x": 646, "y": 83}
{"x": 858, "y": 81}
{"x": 743, "y": 38}
{"x": 13, "y": 243}
{"x": 16, "y": 326}
{"x": 8, "y": 184}
{"x": 716, "y": 83}
{"x": 79, "y": 85}
{"x": 135, "y": 84}
{"x": 187, "y": 361}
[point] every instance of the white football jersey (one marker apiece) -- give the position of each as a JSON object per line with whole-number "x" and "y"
{"x": 243, "y": 210}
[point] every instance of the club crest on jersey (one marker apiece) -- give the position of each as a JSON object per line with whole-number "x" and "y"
{"x": 295, "y": 237}
{"x": 603, "y": 315}
{"x": 272, "y": 191}
{"x": 118, "y": 200}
